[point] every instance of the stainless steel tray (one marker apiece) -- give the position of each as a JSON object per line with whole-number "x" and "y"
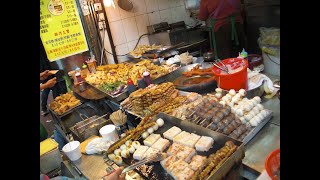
{"x": 206, "y": 88}
{"x": 155, "y": 170}
{"x": 183, "y": 93}
{"x": 65, "y": 113}
{"x": 117, "y": 98}
{"x": 255, "y": 130}
{"x": 219, "y": 141}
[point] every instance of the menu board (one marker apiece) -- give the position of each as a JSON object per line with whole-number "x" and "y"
{"x": 61, "y": 30}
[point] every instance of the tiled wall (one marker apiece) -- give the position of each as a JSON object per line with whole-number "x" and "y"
{"x": 127, "y": 27}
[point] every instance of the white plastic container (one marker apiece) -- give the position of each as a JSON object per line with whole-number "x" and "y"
{"x": 271, "y": 64}
{"x": 72, "y": 150}
{"x": 109, "y": 133}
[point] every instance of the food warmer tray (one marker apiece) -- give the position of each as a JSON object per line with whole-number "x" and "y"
{"x": 183, "y": 93}
{"x": 65, "y": 113}
{"x": 255, "y": 130}
{"x": 155, "y": 170}
{"x": 200, "y": 88}
{"x": 117, "y": 98}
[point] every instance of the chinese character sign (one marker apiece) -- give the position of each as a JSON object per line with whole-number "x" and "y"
{"x": 61, "y": 30}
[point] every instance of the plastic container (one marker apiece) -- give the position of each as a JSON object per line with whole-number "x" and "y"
{"x": 271, "y": 64}
{"x": 50, "y": 161}
{"x": 72, "y": 150}
{"x": 272, "y": 164}
{"x": 147, "y": 78}
{"x": 109, "y": 133}
{"x": 237, "y": 80}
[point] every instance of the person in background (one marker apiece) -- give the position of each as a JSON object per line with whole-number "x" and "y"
{"x": 223, "y": 12}
{"x": 49, "y": 83}
{"x": 58, "y": 88}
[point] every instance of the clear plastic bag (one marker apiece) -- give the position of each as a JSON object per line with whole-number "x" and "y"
{"x": 269, "y": 40}
{"x": 270, "y": 36}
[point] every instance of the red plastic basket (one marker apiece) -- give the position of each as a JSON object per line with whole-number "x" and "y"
{"x": 272, "y": 164}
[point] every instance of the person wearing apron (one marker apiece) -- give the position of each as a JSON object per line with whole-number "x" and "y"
{"x": 224, "y": 17}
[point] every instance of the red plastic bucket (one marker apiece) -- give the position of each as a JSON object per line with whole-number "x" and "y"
{"x": 237, "y": 80}
{"x": 272, "y": 164}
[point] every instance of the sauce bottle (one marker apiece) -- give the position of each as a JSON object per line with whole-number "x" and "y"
{"x": 78, "y": 75}
{"x": 141, "y": 83}
{"x": 84, "y": 71}
{"x": 131, "y": 86}
{"x": 146, "y": 78}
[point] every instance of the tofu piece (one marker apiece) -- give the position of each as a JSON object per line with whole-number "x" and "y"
{"x": 197, "y": 162}
{"x": 139, "y": 153}
{"x": 172, "y": 132}
{"x": 191, "y": 140}
{"x": 169, "y": 160}
{"x": 181, "y": 137}
{"x": 185, "y": 174}
{"x": 151, "y": 139}
{"x": 151, "y": 151}
{"x": 204, "y": 143}
{"x": 161, "y": 144}
{"x": 177, "y": 166}
{"x": 175, "y": 148}
{"x": 186, "y": 153}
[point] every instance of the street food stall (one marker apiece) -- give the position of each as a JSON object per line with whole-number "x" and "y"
{"x": 164, "y": 109}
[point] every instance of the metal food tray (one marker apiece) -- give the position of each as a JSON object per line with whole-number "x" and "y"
{"x": 66, "y": 112}
{"x": 118, "y": 97}
{"x": 90, "y": 126}
{"x": 201, "y": 88}
{"x": 183, "y": 93}
{"x": 255, "y": 130}
{"x": 155, "y": 170}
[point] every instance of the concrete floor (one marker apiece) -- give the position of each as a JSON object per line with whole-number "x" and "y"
{"x": 47, "y": 121}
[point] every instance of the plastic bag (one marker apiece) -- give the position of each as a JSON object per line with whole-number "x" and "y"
{"x": 97, "y": 145}
{"x": 269, "y": 40}
{"x": 269, "y": 36}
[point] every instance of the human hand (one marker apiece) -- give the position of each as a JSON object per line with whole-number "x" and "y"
{"x": 51, "y": 82}
{"x": 44, "y": 75}
{"x": 115, "y": 175}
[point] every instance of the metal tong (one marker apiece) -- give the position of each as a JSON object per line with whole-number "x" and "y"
{"x": 157, "y": 157}
{"x": 222, "y": 68}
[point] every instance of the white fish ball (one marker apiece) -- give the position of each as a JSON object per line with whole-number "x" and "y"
{"x": 260, "y": 106}
{"x": 160, "y": 122}
{"x": 145, "y": 135}
{"x": 150, "y": 130}
{"x": 218, "y": 95}
{"x": 257, "y": 99}
{"x": 242, "y": 92}
{"x": 232, "y": 92}
{"x": 155, "y": 127}
{"x": 218, "y": 90}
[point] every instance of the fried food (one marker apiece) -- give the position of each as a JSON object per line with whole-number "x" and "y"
{"x": 64, "y": 102}
{"x": 141, "y": 49}
{"x": 113, "y": 73}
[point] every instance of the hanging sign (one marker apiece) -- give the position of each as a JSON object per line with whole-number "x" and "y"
{"x": 61, "y": 29}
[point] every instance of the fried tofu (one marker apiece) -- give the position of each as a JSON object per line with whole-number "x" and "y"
{"x": 197, "y": 162}
{"x": 161, "y": 144}
{"x": 140, "y": 152}
{"x": 204, "y": 143}
{"x": 172, "y": 132}
{"x": 150, "y": 140}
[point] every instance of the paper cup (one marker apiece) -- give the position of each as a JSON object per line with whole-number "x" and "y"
{"x": 72, "y": 150}
{"x": 109, "y": 133}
